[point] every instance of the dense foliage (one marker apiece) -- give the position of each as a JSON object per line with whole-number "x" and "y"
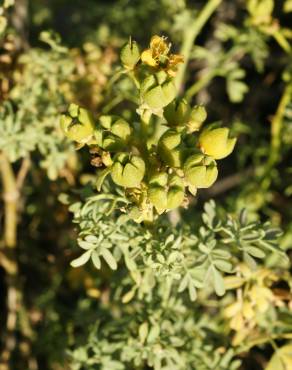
{"x": 146, "y": 185}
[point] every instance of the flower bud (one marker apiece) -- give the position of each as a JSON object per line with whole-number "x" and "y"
{"x": 130, "y": 55}
{"x": 215, "y": 142}
{"x": 197, "y": 117}
{"x": 128, "y": 170}
{"x": 177, "y": 112}
{"x": 158, "y": 90}
{"x": 168, "y": 148}
{"x": 200, "y": 172}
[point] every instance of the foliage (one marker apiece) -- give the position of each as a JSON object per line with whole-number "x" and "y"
{"x": 164, "y": 240}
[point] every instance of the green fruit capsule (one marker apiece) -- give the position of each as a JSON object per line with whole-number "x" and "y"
{"x": 175, "y": 197}
{"x": 200, "y": 172}
{"x": 159, "y": 179}
{"x": 78, "y": 128}
{"x": 128, "y": 171}
{"x": 130, "y": 55}
{"x": 168, "y": 148}
{"x": 122, "y": 129}
{"x": 158, "y": 197}
{"x": 113, "y": 133}
{"x": 177, "y": 112}
{"x": 197, "y": 117}
{"x": 157, "y": 94}
{"x": 216, "y": 143}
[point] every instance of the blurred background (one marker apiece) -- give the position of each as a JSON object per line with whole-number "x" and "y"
{"x": 54, "y": 52}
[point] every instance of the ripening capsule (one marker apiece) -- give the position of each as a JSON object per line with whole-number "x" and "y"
{"x": 216, "y": 143}
{"x": 130, "y": 55}
{"x": 200, "y": 171}
{"x": 177, "y": 112}
{"x": 78, "y": 125}
{"x": 128, "y": 170}
{"x": 169, "y": 148}
{"x": 157, "y": 90}
{"x": 165, "y": 191}
{"x": 113, "y": 133}
{"x": 197, "y": 117}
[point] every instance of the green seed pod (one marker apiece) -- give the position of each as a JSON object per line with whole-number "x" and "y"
{"x": 175, "y": 181}
{"x": 215, "y": 142}
{"x": 197, "y": 117}
{"x": 73, "y": 110}
{"x": 128, "y": 170}
{"x": 158, "y": 197}
{"x": 177, "y": 112}
{"x": 130, "y": 55}
{"x": 169, "y": 150}
{"x": 85, "y": 117}
{"x": 175, "y": 195}
{"x": 165, "y": 192}
{"x": 155, "y": 93}
{"x": 113, "y": 133}
{"x": 159, "y": 179}
{"x": 79, "y": 125}
{"x": 122, "y": 129}
{"x": 200, "y": 172}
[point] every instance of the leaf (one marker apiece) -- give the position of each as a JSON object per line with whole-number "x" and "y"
{"x": 143, "y": 331}
{"x": 183, "y": 284}
{"x": 101, "y": 175}
{"x": 218, "y": 282}
{"x": 249, "y": 261}
{"x": 233, "y": 282}
{"x": 236, "y": 90}
{"x": 129, "y": 296}
{"x": 223, "y": 265}
{"x": 192, "y": 291}
{"x": 255, "y": 252}
{"x": 153, "y": 333}
{"x": 96, "y": 260}
{"x": 81, "y": 260}
{"x": 109, "y": 258}
{"x": 288, "y": 6}
{"x": 281, "y": 359}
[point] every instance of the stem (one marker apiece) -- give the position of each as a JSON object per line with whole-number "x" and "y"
{"x": 277, "y": 122}
{"x": 190, "y": 35}
{"x": 281, "y": 40}
{"x": 19, "y": 20}
{"x": 10, "y": 197}
{"x": 200, "y": 84}
{"x": 145, "y": 121}
{"x": 8, "y": 259}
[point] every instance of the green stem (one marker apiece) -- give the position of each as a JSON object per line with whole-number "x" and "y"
{"x": 282, "y": 41}
{"x": 10, "y": 198}
{"x": 277, "y": 123}
{"x": 144, "y": 132}
{"x": 190, "y": 35}
{"x": 200, "y": 84}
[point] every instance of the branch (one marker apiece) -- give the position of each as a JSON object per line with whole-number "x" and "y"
{"x": 191, "y": 34}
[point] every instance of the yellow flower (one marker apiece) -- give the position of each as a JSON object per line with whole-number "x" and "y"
{"x": 157, "y": 56}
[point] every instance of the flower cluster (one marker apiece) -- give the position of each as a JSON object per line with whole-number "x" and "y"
{"x": 155, "y": 175}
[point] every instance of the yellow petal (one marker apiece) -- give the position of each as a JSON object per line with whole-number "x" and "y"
{"x": 158, "y": 45}
{"x": 147, "y": 58}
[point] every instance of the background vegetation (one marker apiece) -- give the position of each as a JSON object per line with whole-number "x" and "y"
{"x": 238, "y": 64}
